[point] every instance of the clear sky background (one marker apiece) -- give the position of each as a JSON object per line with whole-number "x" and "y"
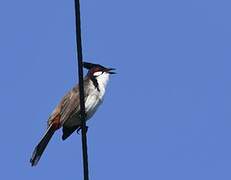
{"x": 166, "y": 115}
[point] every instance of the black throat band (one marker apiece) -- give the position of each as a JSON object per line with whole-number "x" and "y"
{"x": 95, "y": 83}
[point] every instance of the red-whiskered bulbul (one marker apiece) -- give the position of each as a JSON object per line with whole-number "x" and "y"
{"x": 67, "y": 113}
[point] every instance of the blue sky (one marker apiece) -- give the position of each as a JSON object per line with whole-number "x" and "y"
{"x": 166, "y": 115}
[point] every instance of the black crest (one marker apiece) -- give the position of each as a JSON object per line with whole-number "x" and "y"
{"x": 89, "y": 66}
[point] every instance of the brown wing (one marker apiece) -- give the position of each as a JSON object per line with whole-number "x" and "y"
{"x": 65, "y": 108}
{"x": 68, "y": 106}
{"x": 74, "y": 121}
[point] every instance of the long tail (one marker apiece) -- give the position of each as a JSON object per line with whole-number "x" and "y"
{"x": 39, "y": 149}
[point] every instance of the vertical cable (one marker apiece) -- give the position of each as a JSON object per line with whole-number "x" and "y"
{"x": 81, "y": 88}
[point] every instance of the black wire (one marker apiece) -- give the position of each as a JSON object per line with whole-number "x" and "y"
{"x": 81, "y": 89}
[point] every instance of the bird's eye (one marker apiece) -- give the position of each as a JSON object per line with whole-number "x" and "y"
{"x": 98, "y": 73}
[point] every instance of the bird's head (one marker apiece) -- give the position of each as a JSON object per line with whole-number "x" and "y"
{"x": 97, "y": 70}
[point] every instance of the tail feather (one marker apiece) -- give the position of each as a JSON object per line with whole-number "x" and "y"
{"x": 39, "y": 149}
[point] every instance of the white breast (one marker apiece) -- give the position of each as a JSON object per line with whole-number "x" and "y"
{"x": 96, "y": 97}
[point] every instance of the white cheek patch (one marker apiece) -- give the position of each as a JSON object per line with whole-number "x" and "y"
{"x": 98, "y": 73}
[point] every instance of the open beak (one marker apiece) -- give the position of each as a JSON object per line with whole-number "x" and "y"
{"x": 110, "y": 70}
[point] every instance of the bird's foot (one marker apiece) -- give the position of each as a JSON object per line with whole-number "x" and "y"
{"x": 80, "y": 128}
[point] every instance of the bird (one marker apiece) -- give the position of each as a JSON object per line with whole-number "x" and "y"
{"x": 66, "y": 114}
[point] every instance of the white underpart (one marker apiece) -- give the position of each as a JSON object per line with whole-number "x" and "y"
{"x": 96, "y": 98}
